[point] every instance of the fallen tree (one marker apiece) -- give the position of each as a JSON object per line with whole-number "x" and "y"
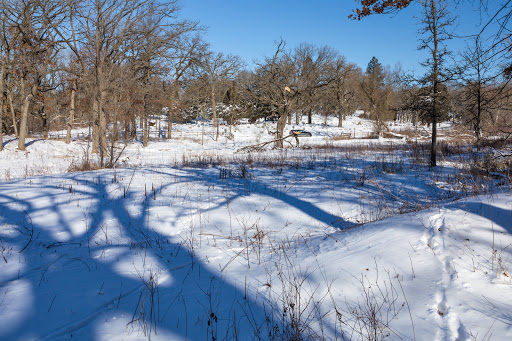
{"x": 258, "y": 147}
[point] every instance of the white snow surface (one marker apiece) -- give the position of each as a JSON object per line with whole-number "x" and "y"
{"x": 174, "y": 246}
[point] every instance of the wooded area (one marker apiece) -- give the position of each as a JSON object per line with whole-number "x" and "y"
{"x": 110, "y": 65}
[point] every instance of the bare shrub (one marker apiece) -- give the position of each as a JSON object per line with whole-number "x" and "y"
{"x": 84, "y": 163}
{"x": 146, "y": 313}
{"x": 370, "y": 316}
{"x": 454, "y": 148}
{"x": 407, "y": 132}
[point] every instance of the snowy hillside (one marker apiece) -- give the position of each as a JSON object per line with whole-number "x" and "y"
{"x": 347, "y": 239}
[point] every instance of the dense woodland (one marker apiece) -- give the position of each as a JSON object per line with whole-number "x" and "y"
{"x": 113, "y": 65}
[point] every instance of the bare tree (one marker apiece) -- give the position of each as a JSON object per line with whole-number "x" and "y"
{"x": 481, "y": 92}
{"x": 36, "y": 48}
{"x": 287, "y": 77}
{"x": 186, "y": 54}
{"x": 273, "y": 86}
{"x": 5, "y": 48}
{"x": 66, "y": 30}
{"x": 343, "y": 88}
{"x": 107, "y": 29}
{"x": 219, "y": 69}
{"x": 157, "y": 42}
{"x": 313, "y": 66}
{"x": 376, "y": 87}
{"x": 434, "y": 29}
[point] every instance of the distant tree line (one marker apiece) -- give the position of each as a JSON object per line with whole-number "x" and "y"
{"x": 97, "y": 63}
{"x": 112, "y": 65}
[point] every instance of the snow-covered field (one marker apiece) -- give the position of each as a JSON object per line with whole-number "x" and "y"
{"x": 189, "y": 240}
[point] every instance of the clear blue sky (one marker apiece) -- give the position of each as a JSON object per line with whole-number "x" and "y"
{"x": 250, "y": 28}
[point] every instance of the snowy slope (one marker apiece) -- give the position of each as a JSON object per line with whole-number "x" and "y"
{"x": 312, "y": 247}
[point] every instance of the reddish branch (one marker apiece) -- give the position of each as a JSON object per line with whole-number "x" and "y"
{"x": 369, "y": 7}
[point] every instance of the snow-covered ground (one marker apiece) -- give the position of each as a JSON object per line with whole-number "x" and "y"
{"x": 189, "y": 142}
{"x": 192, "y": 241}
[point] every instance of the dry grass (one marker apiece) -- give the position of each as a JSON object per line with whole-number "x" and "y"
{"x": 340, "y": 137}
{"x": 187, "y": 138}
{"x": 409, "y": 133}
{"x": 83, "y": 165}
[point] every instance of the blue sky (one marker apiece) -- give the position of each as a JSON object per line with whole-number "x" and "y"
{"x": 250, "y": 28}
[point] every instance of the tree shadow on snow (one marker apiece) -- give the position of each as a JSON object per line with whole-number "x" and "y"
{"x": 9, "y": 141}
{"x": 83, "y": 274}
{"x": 83, "y": 285}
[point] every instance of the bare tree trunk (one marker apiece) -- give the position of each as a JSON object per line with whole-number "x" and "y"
{"x": 169, "y": 124}
{"x": 159, "y": 131}
{"x": 14, "y": 124}
{"x": 339, "y": 113}
{"x": 3, "y": 104}
{"x": 202, "y": 131}
{"x": 433, "y": 149}
{"x": 230, "y": 126}
{"x": 95, "y": 127}
{"x": 23, "y": 123}
{"x": 103, "y": 127}
{"x": 2, "y": 110}
{"x": 45, "y": 124}
{"x": 133, "y": 128}
{"x": 145, "y": 128}
{"x": 24, "y": 112}
{"x": 297, "y": 117}
{"x": 71, "y": 116}
{"x": 115, "y": 128}
{"x": 214, "y": 109}
{"x": 126, "y": 130}
{"x": 478, "y": 132}
{"x": 281, "y": 123}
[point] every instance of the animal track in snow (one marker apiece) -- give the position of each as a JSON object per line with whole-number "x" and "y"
{"x": 450, "y": 328}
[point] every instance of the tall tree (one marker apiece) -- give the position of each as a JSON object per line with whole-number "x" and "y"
{"x": 434, "y": 30}
{"x": 5, "y": 52}
{"x": 279, "y": 81}
{"x": 75, "y": 66}
{"x": 188, "y": 51}
{"x": 342, "y": 91}
{"x": 108, "y": 28}
{"x": 218, "y": 69}
{"x": 499, "y": 14}
{"x": 272, "y": 86}
{"x": 377, "y": 91}
{"x": 36, "y": 49}
{"x": 372, "y": 85}
{"x": 313, "y": 66}
{"x": 156, "y": 42}
{"x": 481, "y": 89}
